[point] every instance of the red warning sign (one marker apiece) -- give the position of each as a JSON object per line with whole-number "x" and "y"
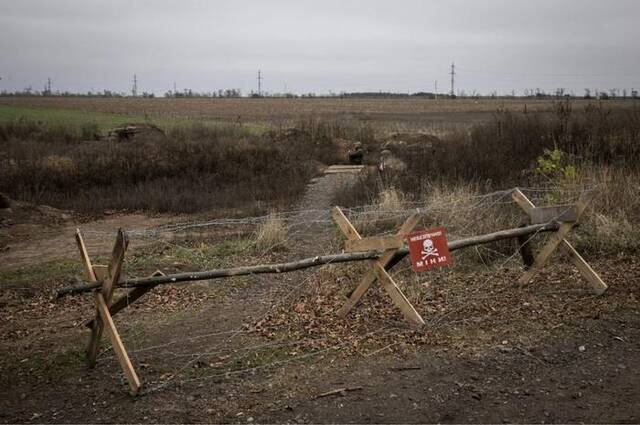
{"x": 429, "y": 249}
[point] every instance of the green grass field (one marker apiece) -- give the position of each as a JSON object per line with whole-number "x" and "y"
{"x": 75, "y": 119}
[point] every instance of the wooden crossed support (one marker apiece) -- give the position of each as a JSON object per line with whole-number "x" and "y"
{"x": 568, "y": 215}
{"x": 390, "y": 245}
{"x": 105, "y": 310}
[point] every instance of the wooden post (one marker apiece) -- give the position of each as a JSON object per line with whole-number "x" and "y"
{"x": 109, "y": 275}
{"x": 115, "y": 268}
{"x": 377, "y": 270}
{"x": 558, "y": 240}
{"x": 118, "y": 347}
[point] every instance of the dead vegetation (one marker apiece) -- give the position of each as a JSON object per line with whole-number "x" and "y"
{"x": 194, "y": 168}
{"x": 271, "y": 235}
{"x": 564, "y": 153}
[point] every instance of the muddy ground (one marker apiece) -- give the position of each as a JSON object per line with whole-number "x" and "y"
{"x": 271, "y": 349}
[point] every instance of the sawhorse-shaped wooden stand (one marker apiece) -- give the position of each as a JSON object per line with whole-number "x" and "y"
{"x": 105, "y": 310}
{"x": 568, "y": 216}
{"x": 390, "y": 244}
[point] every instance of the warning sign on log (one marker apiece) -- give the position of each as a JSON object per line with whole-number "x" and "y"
{"x": 429, "y": 249}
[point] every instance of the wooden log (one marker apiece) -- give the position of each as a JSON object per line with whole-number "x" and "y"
{"x": 305, "y": 263}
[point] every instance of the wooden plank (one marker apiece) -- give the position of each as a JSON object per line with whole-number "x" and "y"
{"x": 587, "y": 272}
{"x": 344, "y": 224}
{"x": 560, "y": 213}
{"x": 115, "y": 266}
{"x": 96, "y": 329}
{"x": 383, "y": 261}
{"x": 118, "y": 347}
{"x": 597, "y": 284}
{"x": 84, "y": 257}
{"x": 110, "y": 280}
{"x": 398, "y": 296}
{"x": 101, "y": 272}
{"x": 555, "y": 240}
{"x": 345, "y": 167}
{"x": 342, "y": 171}
{"x": 376, "y": 243}
{"x": 522, "y": 201}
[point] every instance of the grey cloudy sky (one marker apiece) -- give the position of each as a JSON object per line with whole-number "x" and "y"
{"x": 320, "y": 46}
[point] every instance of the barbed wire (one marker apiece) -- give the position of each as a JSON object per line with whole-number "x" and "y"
{"x": 322, "y": 216}
{"x": 367, "y": 213}
{"x": 243, "y": 328}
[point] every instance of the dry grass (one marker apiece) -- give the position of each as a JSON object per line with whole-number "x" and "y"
{"x": 391, "y": 200}
{"x": 611, "y": 225}
{"x": 194, "y": 168}
{"x": 385, "y": 215}
{"x": 271, "y": 235}
{"x": 400, "y": 114}
{"x": 601, "y": 144}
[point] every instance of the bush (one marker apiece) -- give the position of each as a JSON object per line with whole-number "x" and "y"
{"x": 194, "y": 168}
{"x": 567, "y": 151}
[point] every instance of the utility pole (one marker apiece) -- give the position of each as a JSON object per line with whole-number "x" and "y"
{"x": 259, "y": 83}
{"x": 134, "y": 89}
{"x": 453, "y": 79}
{"x": 175, "y": 89}
{"x": 435, "y": 87}
{"x": 48, "y": 89}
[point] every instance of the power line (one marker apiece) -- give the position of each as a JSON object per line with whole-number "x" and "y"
{"x": 134, "y": 89}
{"x": 453, "y": 76}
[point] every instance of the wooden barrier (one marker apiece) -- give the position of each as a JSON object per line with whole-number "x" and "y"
{"x": 558, "y": 239}
{"x": 377, "y": 271}
{"x": 382, "y": 253}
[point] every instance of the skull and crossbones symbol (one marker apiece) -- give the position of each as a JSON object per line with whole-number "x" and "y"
{"x": 428, "y": 250}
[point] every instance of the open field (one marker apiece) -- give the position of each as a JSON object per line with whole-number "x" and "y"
{"x": 104, "y": 121}
{"x": 387, "y": 114}
{"x": 271, "y": 348}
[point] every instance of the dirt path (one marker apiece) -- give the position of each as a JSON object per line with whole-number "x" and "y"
{"x": 315, "y": 209}
{"x": 584, "y": 369}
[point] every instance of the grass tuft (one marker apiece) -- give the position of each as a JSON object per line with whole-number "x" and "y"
{"x": 271, "y": 235}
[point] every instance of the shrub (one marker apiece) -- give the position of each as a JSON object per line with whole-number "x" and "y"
{"x": 194, "y": 168}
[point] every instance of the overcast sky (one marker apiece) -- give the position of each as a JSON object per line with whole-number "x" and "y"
{"x": 320, "y": 46}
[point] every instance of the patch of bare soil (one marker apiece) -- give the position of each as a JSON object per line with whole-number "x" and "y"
{"x": 31, "y": 234}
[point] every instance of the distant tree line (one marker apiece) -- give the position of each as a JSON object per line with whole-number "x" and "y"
{"x": 535, "y": 93}
{"x": 215, "y": 93}
{"x": 28, "y": 92}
